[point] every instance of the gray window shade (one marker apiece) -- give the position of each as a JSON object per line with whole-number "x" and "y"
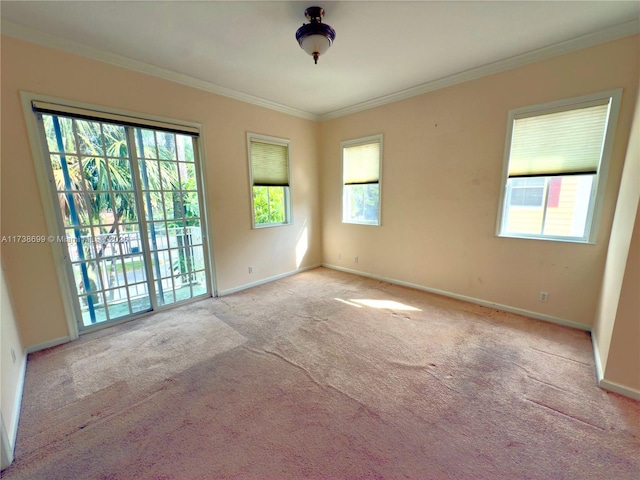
{"x": 269, "y": 164}
{"x": 561, "y": 143}
{"x": 361, "y": 164}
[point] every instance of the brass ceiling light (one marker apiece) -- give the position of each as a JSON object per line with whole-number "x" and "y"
{"x": 315, "y": 37}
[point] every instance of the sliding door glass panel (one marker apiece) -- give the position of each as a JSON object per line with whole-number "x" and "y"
{"x": 172, "y": 214}
{"x": 92, "y": 173}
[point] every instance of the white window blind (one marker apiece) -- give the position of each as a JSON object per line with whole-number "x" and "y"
{"x": 560, "y": 143}
{"x": 269, "y": 164}
{"x": 362, "y": 164}
{"x": 89, "y": 114}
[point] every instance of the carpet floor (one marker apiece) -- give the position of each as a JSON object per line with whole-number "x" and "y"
{"x": 325, "y": 375}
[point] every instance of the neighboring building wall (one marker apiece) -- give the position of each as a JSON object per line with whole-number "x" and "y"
{"x": 525, "y": 219}
{"x": 442, "y": 169}
{"x": 560, "y": 217}
{"x": 560, "y": 211}
{"x": 31, "y": 268}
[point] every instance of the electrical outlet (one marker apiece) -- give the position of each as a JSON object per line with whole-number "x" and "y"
{"x": 13, "y": 355}
{"x": 250, "y": 269}
{"x": 355, "y": 259}
{"x": 339, "y": 256}
{"x": 543, "y": 297}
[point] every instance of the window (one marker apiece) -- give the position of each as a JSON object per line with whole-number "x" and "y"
{"x": 361, "y": 165}
{"x": 555, "y": 167}
{"x": 527, "y": 192}
{"x": 269, "y": 169}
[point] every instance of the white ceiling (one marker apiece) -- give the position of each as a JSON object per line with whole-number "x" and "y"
{"x": 248, "y": 50}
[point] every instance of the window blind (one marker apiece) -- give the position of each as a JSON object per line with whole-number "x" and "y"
{"x": 361, "y": 164}
{"x": 88, "y": 114}
{"x": 560, "y": 143}
{"x": 269, "y": 164}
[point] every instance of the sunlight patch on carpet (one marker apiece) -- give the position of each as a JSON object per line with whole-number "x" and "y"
{"x": 387, "y": 304}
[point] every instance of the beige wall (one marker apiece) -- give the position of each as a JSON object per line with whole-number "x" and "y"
{"x": 616, "y": 329}
{"x": 623, "y": 366}
{"x": 31, "y": 273}
{"x": 12, "y": 372}
{"x": 442, "y": 166}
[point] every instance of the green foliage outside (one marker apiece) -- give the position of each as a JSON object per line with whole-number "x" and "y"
{"x": 86, "y": 144}
{"x": 269, "y": 205}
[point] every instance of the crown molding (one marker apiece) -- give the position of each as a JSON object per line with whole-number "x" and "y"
{"x": 586, "y": 41}
{"x": 610, "y": 34}
{"x": 34, "y": 36}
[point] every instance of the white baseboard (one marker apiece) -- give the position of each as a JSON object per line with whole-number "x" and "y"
{"x": 596, "y": 358}
{"x": 9, "y": 432}
{"x": 51, "y": 343}
{"x": 608, "y": 384}
{"x": 13, "y": 427}
{"x": 222, "y": 293}
{"x": 6, "y": 448}
{"x": 477, "y": 301}
{"x": 620, "y": 389}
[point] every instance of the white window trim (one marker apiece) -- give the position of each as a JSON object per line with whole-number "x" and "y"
{"x": 600, "y": 180}
{"x": 355, "y": 142}
{"x": 287, "y": 194}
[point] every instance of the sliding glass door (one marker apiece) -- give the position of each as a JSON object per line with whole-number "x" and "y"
{"x": 129, "y": 204}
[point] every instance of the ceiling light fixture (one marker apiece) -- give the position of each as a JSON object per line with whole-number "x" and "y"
{"x": 315, "y": 37}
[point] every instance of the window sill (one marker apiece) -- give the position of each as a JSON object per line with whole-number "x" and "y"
{"x": 547, "y": 239}
{"x": 370, "y": 224}
{"x": 270, "y": 225}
